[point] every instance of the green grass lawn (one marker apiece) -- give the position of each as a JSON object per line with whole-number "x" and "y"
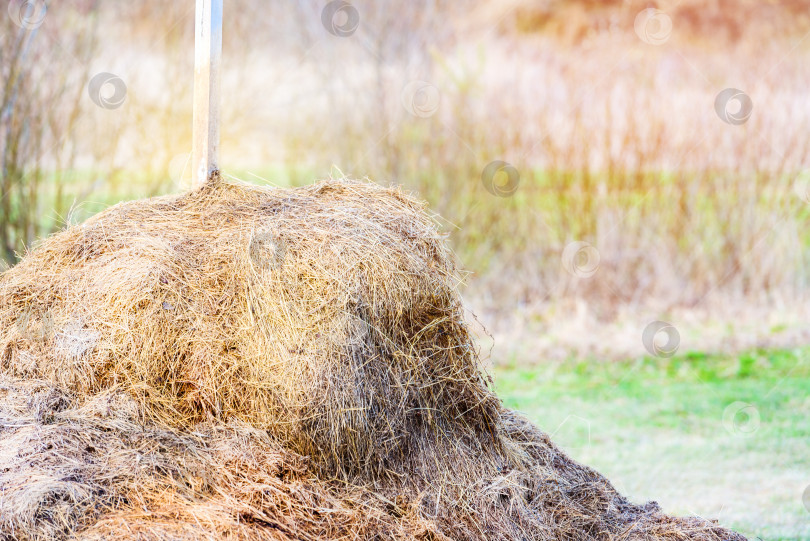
{"x": 718, "y": 436}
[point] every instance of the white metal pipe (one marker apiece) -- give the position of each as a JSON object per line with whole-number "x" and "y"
{"x": 207, "y": 56}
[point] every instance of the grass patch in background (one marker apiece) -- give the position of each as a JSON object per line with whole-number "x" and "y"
{"x": 678, "y": 430}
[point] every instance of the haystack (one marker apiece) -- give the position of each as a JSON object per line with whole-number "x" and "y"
{"x": 265, "y": 363}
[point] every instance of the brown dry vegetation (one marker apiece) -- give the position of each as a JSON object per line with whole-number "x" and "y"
{"x": 166, "y": 367}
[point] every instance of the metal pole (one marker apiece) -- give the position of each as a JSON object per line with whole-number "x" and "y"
{"x": 207, "y": 56}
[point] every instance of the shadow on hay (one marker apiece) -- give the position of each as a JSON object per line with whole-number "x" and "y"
{"x": 271, "y": 363}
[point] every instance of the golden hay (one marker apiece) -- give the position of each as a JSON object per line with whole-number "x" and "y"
{"x": 243, "y": 362}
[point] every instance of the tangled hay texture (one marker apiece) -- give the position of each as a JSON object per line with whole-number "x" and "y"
{"x": 252, "y": 363}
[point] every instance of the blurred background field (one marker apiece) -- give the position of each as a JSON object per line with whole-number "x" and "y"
{"x": 722, "y": 436}
{"x": 618, "y": 145}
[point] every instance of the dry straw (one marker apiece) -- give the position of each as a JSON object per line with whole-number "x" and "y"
{"x": 264, "y": 363}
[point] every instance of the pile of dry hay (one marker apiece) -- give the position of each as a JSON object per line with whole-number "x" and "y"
{"x": 272, "y": 364}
